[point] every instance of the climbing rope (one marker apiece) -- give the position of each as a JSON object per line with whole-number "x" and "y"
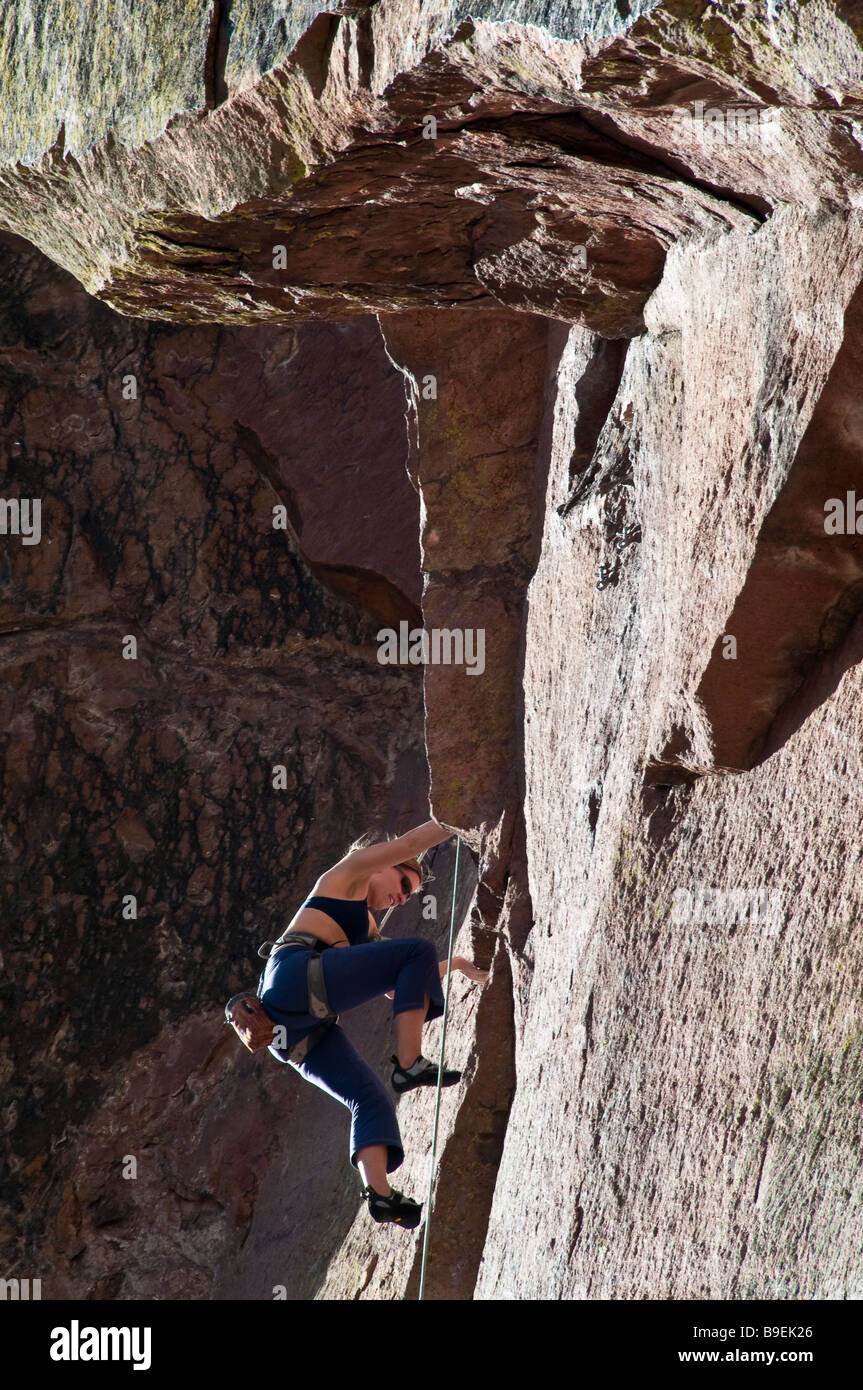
{"x": 439, "y": 1078}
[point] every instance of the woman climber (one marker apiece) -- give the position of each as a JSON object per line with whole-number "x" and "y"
{"x": 358, "y": 965}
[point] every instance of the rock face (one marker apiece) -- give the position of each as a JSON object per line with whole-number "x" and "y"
{"x": 697, "y": 944}
{"x": 531, "y": 321}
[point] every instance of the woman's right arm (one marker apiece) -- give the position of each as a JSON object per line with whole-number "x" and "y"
{"x": 362, "y": 863}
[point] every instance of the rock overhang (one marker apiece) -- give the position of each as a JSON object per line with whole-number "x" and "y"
{"x": 398, "y": 158}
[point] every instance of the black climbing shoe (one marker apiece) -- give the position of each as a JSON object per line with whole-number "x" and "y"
{"x": 422, "y": 1073}
{"x": 404, "y": 1211}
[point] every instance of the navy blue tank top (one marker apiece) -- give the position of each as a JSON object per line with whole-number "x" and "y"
{"x": 351, "y": 914}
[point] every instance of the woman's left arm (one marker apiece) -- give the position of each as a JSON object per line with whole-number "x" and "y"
{"x": 466, "y": 968}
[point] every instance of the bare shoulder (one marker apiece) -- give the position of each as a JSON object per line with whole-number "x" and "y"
{"x": 342, "y": 881}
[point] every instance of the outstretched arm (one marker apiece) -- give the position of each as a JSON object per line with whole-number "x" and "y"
{"x": 465, "y": 967}
{"x": 365, "y": 862}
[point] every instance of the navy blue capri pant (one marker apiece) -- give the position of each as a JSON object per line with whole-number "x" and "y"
{"x": 353, "y": 975}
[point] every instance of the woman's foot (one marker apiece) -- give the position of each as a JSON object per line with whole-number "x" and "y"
{"x": 404, "y": 1211}
{"x": 422, "y": 1072}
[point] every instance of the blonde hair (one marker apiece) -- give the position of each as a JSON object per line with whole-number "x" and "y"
{"x": 417, "y": 868}
{"x": 413, "y": 865}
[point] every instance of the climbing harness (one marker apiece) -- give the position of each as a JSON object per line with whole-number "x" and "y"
{"x": 255, "y": 1028}
{"x": 439, "y": 1076}
{"x": 319, "y": 1006}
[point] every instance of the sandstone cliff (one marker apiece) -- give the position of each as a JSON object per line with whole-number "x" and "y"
{"x": 544, "y": 320}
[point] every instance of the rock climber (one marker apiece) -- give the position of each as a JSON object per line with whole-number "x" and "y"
{"x": 358, "y": 965}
